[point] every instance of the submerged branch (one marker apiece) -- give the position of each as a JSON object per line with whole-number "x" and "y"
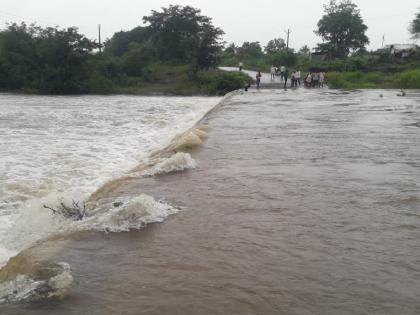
{"x": 75, "y": 212}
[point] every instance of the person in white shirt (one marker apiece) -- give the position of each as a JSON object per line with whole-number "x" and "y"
{"x": 321, "y": 79}
{"x": 293, "y": 78}
{"x": 241, "y": 66}
{"x": 273, "y": 72}
{"x": 297, "y": 77}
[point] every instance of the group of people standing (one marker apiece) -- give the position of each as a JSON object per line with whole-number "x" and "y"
{"x": 283, "y": 73}
{"x": 313, "y": 79}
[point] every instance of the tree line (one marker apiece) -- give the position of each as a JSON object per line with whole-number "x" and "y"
{"x": 343, "y": 46}
{"x": 176, "y": 42}
{"x": 56, "y": 61}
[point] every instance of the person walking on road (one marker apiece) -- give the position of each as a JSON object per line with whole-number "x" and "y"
{"x": 282, "y": 71}
{"x": 285, "y": 76}
{"x": 293, "y": 78}
{"x": 321, "y": 79}
{"x": 258, "y": 78}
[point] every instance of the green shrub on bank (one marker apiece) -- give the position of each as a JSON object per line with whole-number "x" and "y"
{"x": 219, "y": 82}
{"x": 170, "y": 79}
{"x": 374, "y": 80}
{"x": 410, "y": 79}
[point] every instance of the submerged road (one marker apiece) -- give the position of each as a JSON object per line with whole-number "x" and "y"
{"x": 303, "y": 202}
{"x": 266, "y": 81}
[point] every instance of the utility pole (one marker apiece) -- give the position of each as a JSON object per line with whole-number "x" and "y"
{"x": 100, "y": 42}
{"x": 383, "y": 40}
{"x": 288, "y": 35}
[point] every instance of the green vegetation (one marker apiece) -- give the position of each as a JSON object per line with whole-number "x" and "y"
{"x": 253, "y": 57}
{"x": 415, "y": 26}
{"x": 175, "y": 53}
{"x": 362, "y": 70}
{"x": 342, "y": 54}
{"x": 182, "y": 80}
{"x": 374, "y": 80}
{"x": 342, "y": 30}
{"x": 48, "y": 60}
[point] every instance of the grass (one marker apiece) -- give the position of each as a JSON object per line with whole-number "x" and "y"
{"x": 182, "y": 80}
{"x": 162, "y": 79}
{"x": 374, "y": 80}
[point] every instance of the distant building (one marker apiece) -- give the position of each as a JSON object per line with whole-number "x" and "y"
{"x": 399, "y": 50}
{"x": 319, "y": 56}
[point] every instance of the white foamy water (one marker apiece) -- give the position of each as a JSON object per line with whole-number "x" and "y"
{"x": 134, "y": 214}
{"x": 178, "y": 162}
{"x": 55, "y": 148}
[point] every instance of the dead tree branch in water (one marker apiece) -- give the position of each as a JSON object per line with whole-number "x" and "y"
{"x": 75, "y": 212}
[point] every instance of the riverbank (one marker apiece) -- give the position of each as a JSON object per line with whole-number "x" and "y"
{"x": 183, "y": 82}
{"x": 409, "y": 79}
{"x": 302, "y": 202}
{"x": 165, "y": 80}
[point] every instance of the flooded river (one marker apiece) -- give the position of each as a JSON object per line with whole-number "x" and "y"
{"x": 297, "y": 202}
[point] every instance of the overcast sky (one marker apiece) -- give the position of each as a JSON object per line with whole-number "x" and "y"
{"x": 242, "y": 20}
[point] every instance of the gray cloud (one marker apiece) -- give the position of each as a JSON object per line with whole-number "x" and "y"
{"x": 242, "y": 20}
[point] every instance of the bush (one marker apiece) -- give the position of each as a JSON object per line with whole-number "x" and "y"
{"x": 410, "y": 79}
{"x": 219, "y": 82}
{"x": 359, "y": 80}
{"x": 283, "y": 58}
{"x": 98, "y": 84}
{"x": 336, "y": 80}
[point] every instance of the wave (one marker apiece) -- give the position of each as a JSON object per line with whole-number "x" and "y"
{"x": 178, "y": 162}
{"x": 34, "y": 224}
{"x": 30, "y": 276}
{"x": 38, "y": 223}
{"x": 187, "y": 141}
{"x": 135, "y": 214}
{"x": 24, "y": 289}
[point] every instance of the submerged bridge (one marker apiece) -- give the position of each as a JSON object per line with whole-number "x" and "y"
{"x": 266, "y": 82}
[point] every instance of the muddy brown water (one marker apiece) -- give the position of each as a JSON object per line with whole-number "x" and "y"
{"x": 303, "y": 202}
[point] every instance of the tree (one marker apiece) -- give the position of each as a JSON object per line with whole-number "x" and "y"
{"x": 283, "y": 58}
{"x": 275, "y": 45}
{"x": 230, "y": 49}
{"x": 50, "y": 60}
{"x": 17, "y": 56}
{"x": 250, "y": 49}
{"x": 136, "y": 58}
{"x": 328, "y": 49}
{"x": 182, "y": 34}
{"x": 120, "y": 41}
{"x": 62, "y": 62}
{"x": 305, "y": 51}
{"x": 415, "y": 27}
{"x": 342, "y": 29}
